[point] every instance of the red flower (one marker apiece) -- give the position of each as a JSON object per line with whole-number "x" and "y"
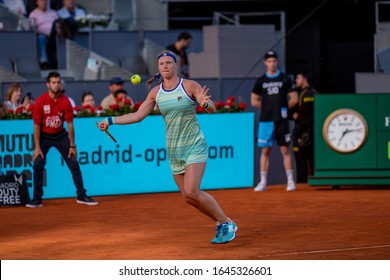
{"x": 199, "y": 109}
{"x": 19, "y": 110}
{"x": 92, "y": 109}
{"x": 10, "y": 111}
{"x": 30, "y": 108}
{"x": 219, "y": 104}
{"x": 229, "y": 103}
{"x": 119, "y": 99}
{"x": 86, "y": 106}
{"x": 100, "y": 108}
{"x": 242, "y": 105}
{"x": 76, "y": 108}
{"x": 231, "y": 99}
{"x": 136, "y": 106}
{"x": 127, "y": 101}
{"x": 114, "y": 107}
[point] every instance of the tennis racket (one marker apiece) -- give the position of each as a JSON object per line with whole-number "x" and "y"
{"x": 107, "y": 133}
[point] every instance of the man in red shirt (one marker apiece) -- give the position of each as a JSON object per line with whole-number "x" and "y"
{"x": 51, "y": 109}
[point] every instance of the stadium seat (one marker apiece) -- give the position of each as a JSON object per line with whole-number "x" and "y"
{"x": 28, "y": 68}
{"x": 134, "y": 63}
{"x": 6, "y": 63}
{"x": 384, "y": 60}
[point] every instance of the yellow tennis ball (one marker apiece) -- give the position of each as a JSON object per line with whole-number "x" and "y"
{"x": 135, "y": 79}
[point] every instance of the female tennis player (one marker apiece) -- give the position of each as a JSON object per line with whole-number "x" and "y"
{"x": 187, "y": 148}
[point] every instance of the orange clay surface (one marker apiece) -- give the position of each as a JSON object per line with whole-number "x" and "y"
{"x": 311, "y": 223}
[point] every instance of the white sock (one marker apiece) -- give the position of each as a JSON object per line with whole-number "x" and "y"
{"x": 228, "y": 221}
{"x": 290, "y": 178}
{"x": 263, "y": 177}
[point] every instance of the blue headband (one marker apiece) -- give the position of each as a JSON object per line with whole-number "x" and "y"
{"x": 166, "y": 54}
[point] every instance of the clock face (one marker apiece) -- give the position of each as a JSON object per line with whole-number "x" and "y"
{"x": 345, "y": 131}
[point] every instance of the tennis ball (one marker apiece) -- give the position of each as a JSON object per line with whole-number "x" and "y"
{"x": 135, "y": 79}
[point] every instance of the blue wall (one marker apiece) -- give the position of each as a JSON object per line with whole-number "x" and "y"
{"x": 138, "y": 162}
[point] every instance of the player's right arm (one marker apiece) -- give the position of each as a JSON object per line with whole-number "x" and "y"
{"x": 144, "y": 110}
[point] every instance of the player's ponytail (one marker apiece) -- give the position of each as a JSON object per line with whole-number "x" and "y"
{"x": 150, "y": 81}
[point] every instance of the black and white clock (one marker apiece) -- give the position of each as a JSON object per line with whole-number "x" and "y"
{"x": 345, "y": 131}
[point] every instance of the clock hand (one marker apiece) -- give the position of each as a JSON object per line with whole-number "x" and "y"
{"x": 342, "y": 135}
{"x": 346, "y": 131}
{"x": 357, "y": 129}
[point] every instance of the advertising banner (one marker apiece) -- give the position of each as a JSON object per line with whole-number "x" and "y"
{"x": 138, "y": 162}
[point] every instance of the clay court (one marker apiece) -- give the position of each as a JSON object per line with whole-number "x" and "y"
{"x": 313, "y": 223}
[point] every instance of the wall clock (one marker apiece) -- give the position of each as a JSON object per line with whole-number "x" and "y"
{"x": 345, "y": 130}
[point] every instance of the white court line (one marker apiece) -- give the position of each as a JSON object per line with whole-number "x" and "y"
{"x": 327, "y": 251}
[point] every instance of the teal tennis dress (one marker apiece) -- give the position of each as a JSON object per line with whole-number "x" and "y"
{"x": 184, "y": 139}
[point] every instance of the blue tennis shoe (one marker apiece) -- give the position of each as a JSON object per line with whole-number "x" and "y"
{"x": 226, "y": 232}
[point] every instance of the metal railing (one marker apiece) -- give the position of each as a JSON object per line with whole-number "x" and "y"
{"x": 235, "y": 18}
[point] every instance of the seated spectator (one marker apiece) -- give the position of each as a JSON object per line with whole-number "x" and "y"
{"x": 41, "y": 20}
{"x": 15, "y": 6}
{"x": 87, "y": 99}
{"x": 116, "y": 83}
{"x": 2, "y": 114}
{"x": 88, "y": 105}
{"x": 68, "y": 15}
{"x": 31, "y": 5}
{"x": 74, "y": 106}
{"x": 122, "y": 99}
{"x": 28, "y": 98}
{"x": 13, "y": 99}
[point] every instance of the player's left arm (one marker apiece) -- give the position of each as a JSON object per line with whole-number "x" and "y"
{"x": 201, "y": 94}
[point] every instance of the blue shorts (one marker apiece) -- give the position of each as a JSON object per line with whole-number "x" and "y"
{"x": 270, "y": 131}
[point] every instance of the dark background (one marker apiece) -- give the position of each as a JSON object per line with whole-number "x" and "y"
{"x": 333, "y": 43}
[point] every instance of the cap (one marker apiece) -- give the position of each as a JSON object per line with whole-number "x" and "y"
{"x": 116, "y": 81}
{"x": 270, "y": 54}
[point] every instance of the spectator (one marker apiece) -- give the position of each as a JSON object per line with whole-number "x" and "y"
{"x": 180, "y": 48}
{"x": 2, "y": 113}
{"x": 123, "y": 99}
{"x": 42, "y": 21}
{"x": 274, "y": 93}
{"x": 28, "y": 98}
{"x": 52, "y": 4}
{"x": 14, "y": 97}
{"x": 68, "y": 15}
{"x": 88, "y": 103}
{"x": 62, "y": 89}
{"x": 88, "y": 99}
{"x": 116, "y": 83}
{"x": 303, "y": 135}
{"x": 51, "y": 110}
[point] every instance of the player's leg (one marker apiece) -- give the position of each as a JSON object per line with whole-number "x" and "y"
{"x": 189, "y": 185}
